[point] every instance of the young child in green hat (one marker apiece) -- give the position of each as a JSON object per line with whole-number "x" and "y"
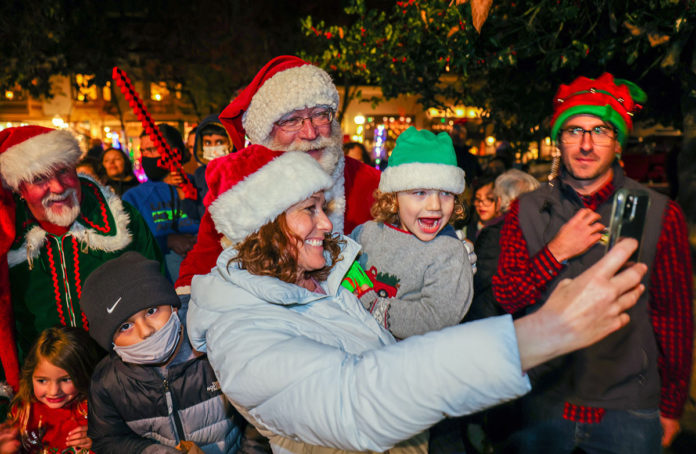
{"x": 420, "y": 270}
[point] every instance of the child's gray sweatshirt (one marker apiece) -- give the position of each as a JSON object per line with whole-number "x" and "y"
{"x": 419, "y": 286}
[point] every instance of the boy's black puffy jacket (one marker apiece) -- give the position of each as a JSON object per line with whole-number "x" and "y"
{"x": 128, "y": 408}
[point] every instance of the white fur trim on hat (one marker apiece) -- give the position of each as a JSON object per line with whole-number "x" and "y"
{"x": 417, "y": 175}
{"x": 39, "y": 155}
{"x": 295, "y": 88}
{"x": 258, "y": 199}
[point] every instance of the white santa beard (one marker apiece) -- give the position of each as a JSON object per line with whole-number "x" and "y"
{"x": 65, "y": 215}
{"x": 332, "y": 145}
{"x": 333, "y": 163}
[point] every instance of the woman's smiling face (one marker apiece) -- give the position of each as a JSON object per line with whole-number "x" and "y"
{"x": 309, "y": 224}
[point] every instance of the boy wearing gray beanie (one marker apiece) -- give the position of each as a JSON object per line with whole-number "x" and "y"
{"x": 152, "y": 392}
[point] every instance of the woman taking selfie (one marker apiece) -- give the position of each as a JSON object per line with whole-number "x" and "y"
{"x": 299, "y": 357}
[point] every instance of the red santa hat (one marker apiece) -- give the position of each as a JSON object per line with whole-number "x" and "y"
{"x": 285, "y": 84}
{"x": 252, "y": 187}
{"x": 30, "y": 151}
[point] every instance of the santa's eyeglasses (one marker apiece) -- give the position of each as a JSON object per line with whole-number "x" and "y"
{"x": 318, "y": 118}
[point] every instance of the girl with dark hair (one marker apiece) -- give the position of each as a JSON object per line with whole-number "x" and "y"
{"x": 50, "y": 409}
{"x": 485, "y": 206}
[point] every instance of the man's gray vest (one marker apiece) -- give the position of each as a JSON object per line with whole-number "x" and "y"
{"x": 619, "y": 372}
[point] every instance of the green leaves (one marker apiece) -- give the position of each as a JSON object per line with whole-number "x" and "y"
{"x": 525, "y": 50}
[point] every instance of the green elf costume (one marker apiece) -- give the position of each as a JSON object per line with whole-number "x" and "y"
{"x": 46, "y": 271}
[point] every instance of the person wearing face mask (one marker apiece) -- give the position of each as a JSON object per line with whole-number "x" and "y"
{"x": 211, "y": 142}
{"x": 56, "y": 228}
{"x": 153, "y": 392}
{"x": 160, "y": 202}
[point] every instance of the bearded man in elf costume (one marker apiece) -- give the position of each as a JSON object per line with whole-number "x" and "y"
{"x": 56, "y": 228}
{"x": 290, "y": 106}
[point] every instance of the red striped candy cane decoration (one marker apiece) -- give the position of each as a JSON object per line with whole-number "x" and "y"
{"x": 167, "y": 157}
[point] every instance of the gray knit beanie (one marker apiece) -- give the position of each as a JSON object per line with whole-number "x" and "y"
{"x": 118, "y": 289}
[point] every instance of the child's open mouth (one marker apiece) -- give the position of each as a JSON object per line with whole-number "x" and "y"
{"x": 429, "y": 225}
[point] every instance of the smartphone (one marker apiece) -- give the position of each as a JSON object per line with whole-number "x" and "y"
{"x": 628, "y": 214}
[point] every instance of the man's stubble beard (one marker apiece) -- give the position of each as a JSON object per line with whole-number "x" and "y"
{"x": 597, "y": 174}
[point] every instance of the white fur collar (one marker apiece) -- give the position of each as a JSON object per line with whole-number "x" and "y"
{"x": 88, "y": 237}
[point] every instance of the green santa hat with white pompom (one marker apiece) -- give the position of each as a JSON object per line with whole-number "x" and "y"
{"x": 422, "y": 160}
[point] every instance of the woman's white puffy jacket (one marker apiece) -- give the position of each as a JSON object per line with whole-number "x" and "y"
{"x": 319, "y": 369}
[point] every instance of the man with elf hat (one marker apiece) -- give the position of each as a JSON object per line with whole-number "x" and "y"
{"x": 56, "y": 228}
{"x": 290, "y": 106}
{"x": 627, "y": 392}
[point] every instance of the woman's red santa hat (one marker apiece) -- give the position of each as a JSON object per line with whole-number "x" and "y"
{"x": 250, "y": 188}
{"x": 285, "y": 84}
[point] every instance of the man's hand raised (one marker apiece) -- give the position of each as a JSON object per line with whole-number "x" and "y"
{"x": 577, "y": 235}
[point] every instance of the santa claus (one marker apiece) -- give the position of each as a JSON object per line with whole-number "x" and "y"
{"x": 290, "y": 106}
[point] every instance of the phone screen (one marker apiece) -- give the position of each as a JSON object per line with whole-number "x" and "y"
{"x": 628, "y": 214}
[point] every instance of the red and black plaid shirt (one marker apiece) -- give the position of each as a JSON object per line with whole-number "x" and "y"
{"x": 520, "y": 279}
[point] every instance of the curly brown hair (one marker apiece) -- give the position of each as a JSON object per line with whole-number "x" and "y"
{"x": 271, "y": 252}
{"x": 386, "y": 208}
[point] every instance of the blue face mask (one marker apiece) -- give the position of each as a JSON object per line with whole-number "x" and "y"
{"x": 157, "y": 348}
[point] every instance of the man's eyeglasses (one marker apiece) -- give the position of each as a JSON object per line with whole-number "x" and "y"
{"x": 600, "y": 135}
{"x": 319, "y": 118}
